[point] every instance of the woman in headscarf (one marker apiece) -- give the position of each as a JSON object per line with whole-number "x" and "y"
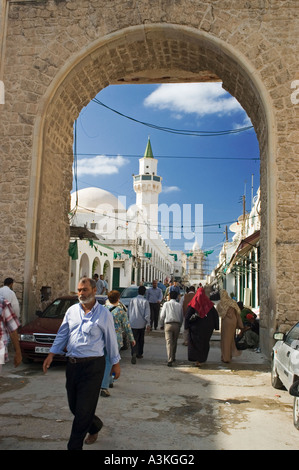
{"x": 201, "y": 320}
{"x": 230, "y": 315}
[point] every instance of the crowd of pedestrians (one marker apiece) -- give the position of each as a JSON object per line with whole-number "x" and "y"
{"x": 92, "y": 337}
{"x": 193, "y": 312}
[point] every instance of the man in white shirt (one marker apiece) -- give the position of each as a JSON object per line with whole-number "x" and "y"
{"x": 172, "y": 318}
{"x": 7, "y": 292}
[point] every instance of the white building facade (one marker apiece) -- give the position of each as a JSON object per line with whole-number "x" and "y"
{"x": 133, "y": 250}
{"x": 193, "y": 266}
{"x": 239, "y": 260}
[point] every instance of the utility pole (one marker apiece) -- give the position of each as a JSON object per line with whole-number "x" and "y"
{"x": 244, "y": 214}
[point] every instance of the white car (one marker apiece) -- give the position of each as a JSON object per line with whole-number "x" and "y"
{"x": 128, "y": 294}
{"x": 285, "y": 365}
{"x": 294, "y": 390}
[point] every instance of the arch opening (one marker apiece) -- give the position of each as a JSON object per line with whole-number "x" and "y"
{"x": 137, "y": 55}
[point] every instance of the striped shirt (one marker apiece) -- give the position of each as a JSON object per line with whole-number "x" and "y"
{"x": 8, "y": 323}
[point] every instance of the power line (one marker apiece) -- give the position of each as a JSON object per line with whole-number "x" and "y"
{"x": 168, "y": 156}
{"x": 176, "y": 131}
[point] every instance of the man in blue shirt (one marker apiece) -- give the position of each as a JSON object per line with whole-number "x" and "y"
{"x": 86, "y": 331}
{"x": 100, "y": 284}
{"x": 176, "y": 288}
{"x": 154, "y": 295}
{"x": 139, "y": 318}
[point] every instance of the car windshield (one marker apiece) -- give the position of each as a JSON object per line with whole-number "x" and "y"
{"x": 58, "y": 308}
{"x": 292, "y": 338}
{"x": 129, "y": 293}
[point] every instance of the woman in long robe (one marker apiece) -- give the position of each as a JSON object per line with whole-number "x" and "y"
{"x": 201, "y": 320}
{"x": 230, "y": 315}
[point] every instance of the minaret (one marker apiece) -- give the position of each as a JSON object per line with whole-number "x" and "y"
{"x": 147, "y": 186}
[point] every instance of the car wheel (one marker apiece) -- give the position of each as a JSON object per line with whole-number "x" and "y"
{"x": 275, "y": 380}
{"x": 296, "y": 412}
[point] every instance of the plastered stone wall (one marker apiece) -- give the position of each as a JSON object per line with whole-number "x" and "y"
{"x": 58, "y": 54}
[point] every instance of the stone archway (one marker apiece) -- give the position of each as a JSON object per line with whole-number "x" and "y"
{"x": 137, "y": 61}
{"x": 96, "y": 266}
{"x": 107, "y": 273}
{"x": 84, "y": 266}
{"x": 80, "y": 47}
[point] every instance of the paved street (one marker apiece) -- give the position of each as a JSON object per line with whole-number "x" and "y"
{"x": 155, "y": 407}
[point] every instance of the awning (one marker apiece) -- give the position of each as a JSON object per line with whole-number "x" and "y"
{"x": 219, "y": 269}
{"x": 82, "y": 233}
{"x": 244, "y": 246}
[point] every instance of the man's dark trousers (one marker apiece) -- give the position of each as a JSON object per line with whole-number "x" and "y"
{"x": 155, "y": 309}
{"x": 83, "y": 383}
{"x": 138, "y": 334}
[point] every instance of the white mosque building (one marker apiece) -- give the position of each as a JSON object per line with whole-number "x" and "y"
{"x": 122, "y": 244}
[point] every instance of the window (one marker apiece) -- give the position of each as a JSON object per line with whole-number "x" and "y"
{"x": 292, "y": 338}
{"x": 58, "y": 308}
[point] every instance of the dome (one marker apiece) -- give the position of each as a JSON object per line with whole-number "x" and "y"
{"x": 91, "y": 199}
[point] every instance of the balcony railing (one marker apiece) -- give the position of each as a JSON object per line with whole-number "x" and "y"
{"x": 147, "y": 178}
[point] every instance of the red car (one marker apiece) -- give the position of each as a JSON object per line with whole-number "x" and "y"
{"x": 37, "y": 337}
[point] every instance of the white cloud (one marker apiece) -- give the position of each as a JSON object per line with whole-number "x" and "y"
{"x": 170, "y": 189}
{"x": 100, "y": 165}
{"x": 199, "y": 98}
{"x": 245, "y": 123}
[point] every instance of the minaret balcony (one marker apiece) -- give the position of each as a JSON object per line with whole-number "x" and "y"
{"x": 147, "y": 178}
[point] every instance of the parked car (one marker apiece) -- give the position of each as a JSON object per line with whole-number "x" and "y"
{"x": 285, "y": 365}
{"x": 294, "y": 391}
{"x": 129, "y": 293}
{"x": 37, "y": 337}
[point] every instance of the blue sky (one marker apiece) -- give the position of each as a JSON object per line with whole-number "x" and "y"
{"x": 212, "y": 171}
